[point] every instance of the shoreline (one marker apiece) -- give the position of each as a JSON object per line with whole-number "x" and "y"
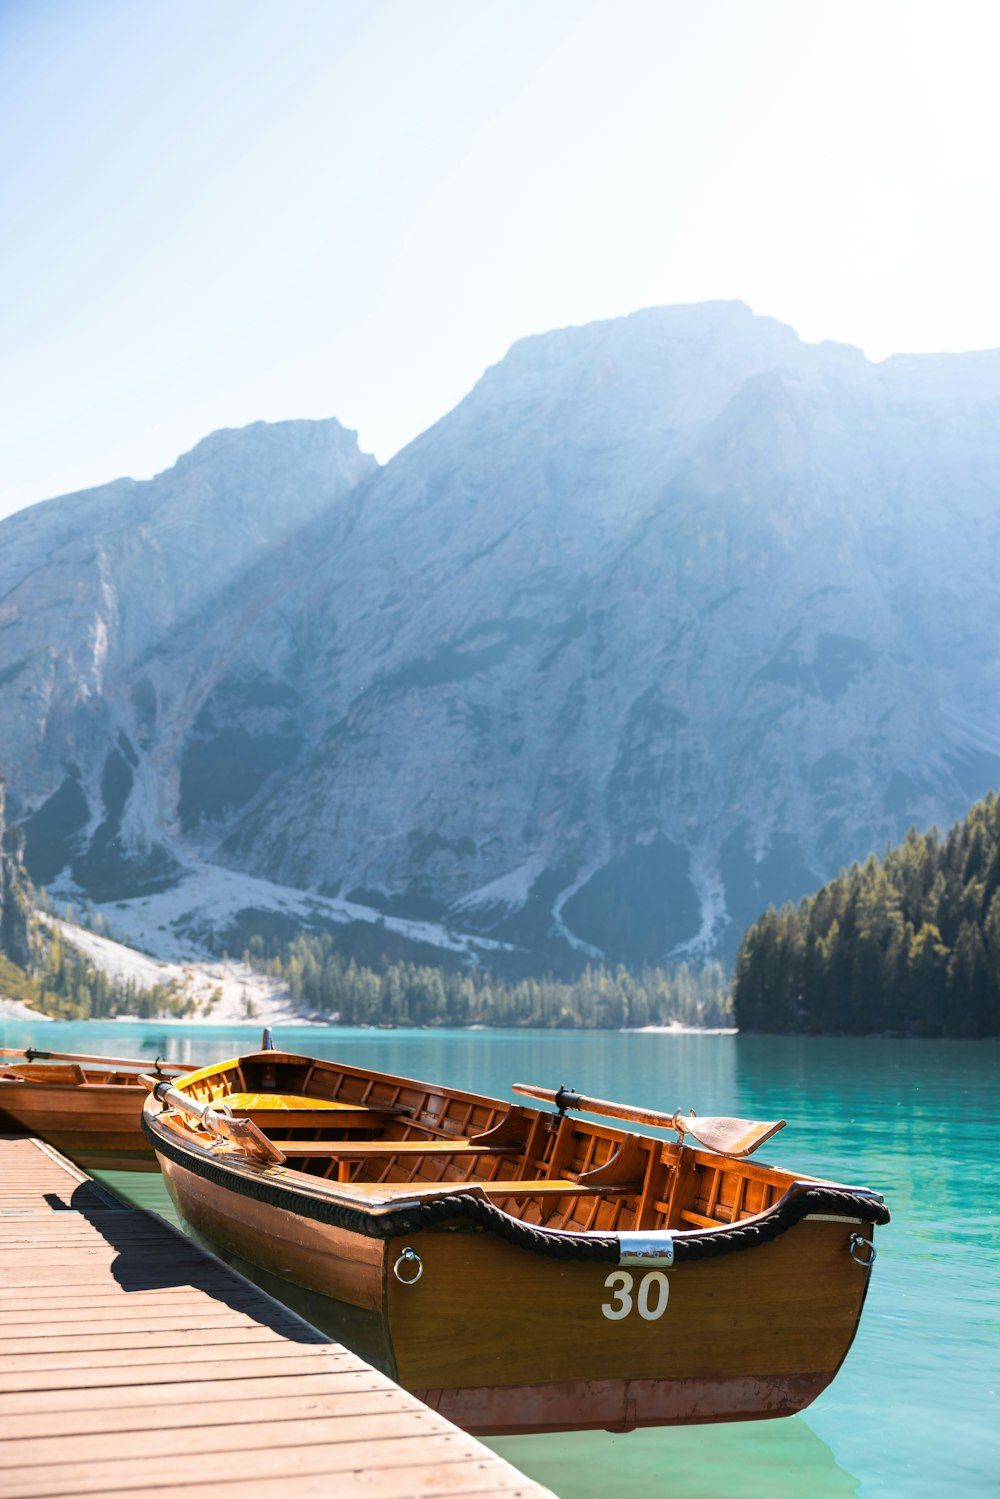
{"x": 677, "y": 1028}
{"x": 17, "y": 1010}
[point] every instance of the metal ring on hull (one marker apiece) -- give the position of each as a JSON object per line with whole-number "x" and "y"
{"x": 862, "y": 1251}
{"x": 410, "y": 1261}
{"x": 688, "y": 1247}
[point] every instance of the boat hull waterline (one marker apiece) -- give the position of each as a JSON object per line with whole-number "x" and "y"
{"x": 509, "y": 1325}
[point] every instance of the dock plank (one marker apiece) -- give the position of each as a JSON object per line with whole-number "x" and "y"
{"x": 68, "y": 1423}
{"x": 133, "y": 1363}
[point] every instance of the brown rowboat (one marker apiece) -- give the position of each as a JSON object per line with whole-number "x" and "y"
{"x": 89, "y": 1108}
{"x": 521, "y": 1269}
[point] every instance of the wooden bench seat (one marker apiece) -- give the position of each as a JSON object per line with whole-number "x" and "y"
{"x": 363, "y": 1150}
{"x": 273, "y": 1121}
{"x": 348, "y": 1152}
{"x": 562, "y": 1187}
{"x": 297, "y": 1111}
{"x": 296, "y": 1103}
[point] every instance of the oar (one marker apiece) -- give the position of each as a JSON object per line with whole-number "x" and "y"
{"x": 219, "y": 1122}
{"x": 736, "y": 1137}
{"x": 113, "y": 1064}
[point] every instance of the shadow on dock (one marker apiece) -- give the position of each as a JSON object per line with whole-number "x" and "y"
{"x": 151, "y": 1255}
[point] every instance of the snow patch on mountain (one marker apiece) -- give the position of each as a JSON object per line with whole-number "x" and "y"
{"x": 186, "y": 923}
{"x": 222, "y": 993}
{"x": 711, "y": 892}
{"x": 510, "y": 890}
{"x": 586, "y": 949}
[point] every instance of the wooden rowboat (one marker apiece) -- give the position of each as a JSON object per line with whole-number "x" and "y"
{"x": 524, "y": 1269}
{"x": 89, "y": 1108}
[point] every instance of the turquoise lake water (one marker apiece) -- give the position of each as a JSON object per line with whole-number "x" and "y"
{"x": 915, "y": 1412}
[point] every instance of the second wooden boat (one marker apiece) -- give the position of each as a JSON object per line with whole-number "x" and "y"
{"x": 527, "y": 1270}
{"x": 88, "y": 1108}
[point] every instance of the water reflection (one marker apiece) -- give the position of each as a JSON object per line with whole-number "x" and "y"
{"x": 747, "y": 1460}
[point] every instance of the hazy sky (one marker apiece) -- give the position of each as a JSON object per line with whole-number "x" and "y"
{"x": 213, "y": 211}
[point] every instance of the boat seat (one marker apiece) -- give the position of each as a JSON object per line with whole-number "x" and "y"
{"x": 347, "y": 1152}
{"x": 346, "y": 1118}
{"x": 384, "y": 1194}
{"x": 295, "y": 1111}
{"x": 363, "y": 1150}
{"x": 562, "y": 1187}
{"x": 296, "y": 1103}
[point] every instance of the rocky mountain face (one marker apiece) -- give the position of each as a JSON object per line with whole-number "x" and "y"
{"x": 670, "y": 618}
{"x": 116, "y": 605}
{"x": 15, "y": 893}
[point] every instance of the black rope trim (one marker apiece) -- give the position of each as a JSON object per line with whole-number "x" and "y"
{"x": 597, "y": 1248}
{"x": 707, "y": 1243}
{"x": 400, "y": 1221}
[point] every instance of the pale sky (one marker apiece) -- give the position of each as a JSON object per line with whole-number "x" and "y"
{"x": 215, "y": 211}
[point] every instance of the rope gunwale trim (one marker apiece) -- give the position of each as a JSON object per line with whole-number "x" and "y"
{"x": 689, "y": 1248}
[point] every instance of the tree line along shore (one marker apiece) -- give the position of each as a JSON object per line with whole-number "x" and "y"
{"x": 905, "y": 945}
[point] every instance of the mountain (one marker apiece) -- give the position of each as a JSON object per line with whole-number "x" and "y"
{"x": 15, "y": 894}
{"x": 670, "y": 618}
{"x": 116, "y": 605}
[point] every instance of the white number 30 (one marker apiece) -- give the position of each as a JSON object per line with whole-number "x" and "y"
{"x": 651, "y": 1301}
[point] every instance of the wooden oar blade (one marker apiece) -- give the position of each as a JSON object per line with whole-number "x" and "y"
{"x": 242, "y": 1133}
{"x": 735, "y": 1137}
{"x": 252, "y": 1141}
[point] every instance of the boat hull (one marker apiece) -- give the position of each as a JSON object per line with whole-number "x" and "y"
{"x": 753, "y": 1334}
{"x": 99, "y": 1127}
{"x": 758, "y": 1333}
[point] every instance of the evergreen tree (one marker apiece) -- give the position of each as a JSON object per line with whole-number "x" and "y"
{"x": 909, "y": 944}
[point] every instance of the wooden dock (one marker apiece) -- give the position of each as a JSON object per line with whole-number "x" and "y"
{"x": 131, "y": 1362}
